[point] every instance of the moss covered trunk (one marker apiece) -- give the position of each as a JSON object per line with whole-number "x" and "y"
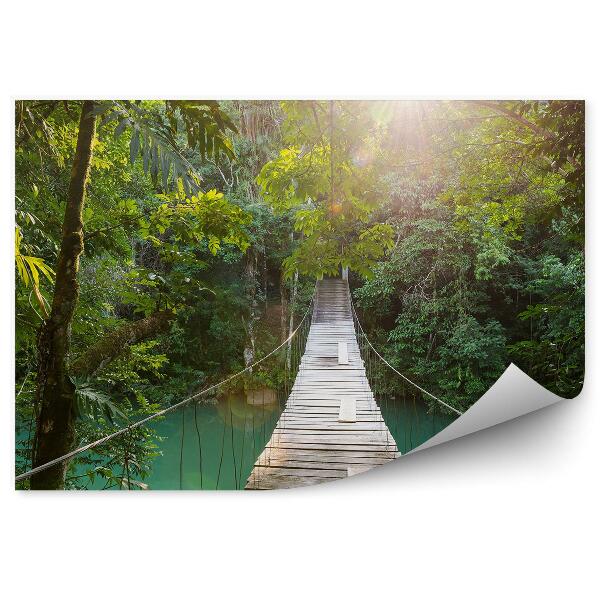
{"x": 251, "y": 293}
{"x": 116, "y": 342}
{"x": 55, "y": 430}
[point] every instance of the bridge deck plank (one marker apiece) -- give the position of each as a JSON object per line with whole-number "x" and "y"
{"x": 309, "y": 444}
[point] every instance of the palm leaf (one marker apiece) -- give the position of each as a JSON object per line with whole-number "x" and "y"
{"x": 92, "y": 403}
{"x": 155, "y": 136}
{"x": 29, "y": 268}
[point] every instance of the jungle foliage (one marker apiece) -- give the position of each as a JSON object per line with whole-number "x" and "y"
{"x": 487, "y": 201}
{"x": 205, "y": 223}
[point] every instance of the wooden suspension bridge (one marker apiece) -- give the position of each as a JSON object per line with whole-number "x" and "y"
{"x": 331, "y": 426}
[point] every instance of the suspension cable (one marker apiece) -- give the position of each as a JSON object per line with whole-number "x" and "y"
{"x": 458, "y": 412}
{"x": 164, "y": 411}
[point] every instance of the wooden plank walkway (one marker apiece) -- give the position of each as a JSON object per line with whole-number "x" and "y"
{"x": 331, "y": 427}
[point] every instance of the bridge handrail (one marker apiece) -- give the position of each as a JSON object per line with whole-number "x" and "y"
{"x": 164, "y": 411}
{"x": 458, "y": 412}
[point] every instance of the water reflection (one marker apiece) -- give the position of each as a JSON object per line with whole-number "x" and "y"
{"x": 411, "y": 421}
{"x": 212, "y": 446}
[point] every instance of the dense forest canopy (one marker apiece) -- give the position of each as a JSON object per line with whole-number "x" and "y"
{"x": 162, "y": 245}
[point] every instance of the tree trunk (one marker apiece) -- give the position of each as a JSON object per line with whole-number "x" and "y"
{"x": 284, "y": 306}
{"x": 55, "y": 429}
{"x": 265, "y": 278}
{"x": 251, "y": 290}
{"x": 292, "y": 308}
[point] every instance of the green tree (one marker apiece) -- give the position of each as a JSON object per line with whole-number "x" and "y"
{"x": 487, "y": 201}
{"x": 326, "y": 177}
{"x": 155, "y": 136}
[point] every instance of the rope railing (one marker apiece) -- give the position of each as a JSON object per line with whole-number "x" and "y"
{"x": 385, "y": 362}
{"x": 181, "y": 404}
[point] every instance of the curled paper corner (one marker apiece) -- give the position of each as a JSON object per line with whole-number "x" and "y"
{"x": 514, "y": 394}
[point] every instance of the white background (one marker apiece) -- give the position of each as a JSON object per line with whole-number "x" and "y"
{"x": 507, "y": 513}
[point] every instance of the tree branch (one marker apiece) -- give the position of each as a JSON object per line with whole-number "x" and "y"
{"x": 113, "y": 344}
{"x": 545, "y": 133}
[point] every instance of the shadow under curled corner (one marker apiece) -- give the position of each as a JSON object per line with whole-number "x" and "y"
{"x": 514, "y": 394}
